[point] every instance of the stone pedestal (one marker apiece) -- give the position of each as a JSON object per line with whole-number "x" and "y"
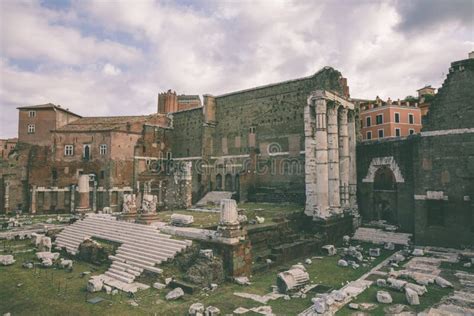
{"x": 148, "y": 210}
{"x": 229, "y": 225}
{"x": 129, "y": 208}
{"x": 83, "y": 189}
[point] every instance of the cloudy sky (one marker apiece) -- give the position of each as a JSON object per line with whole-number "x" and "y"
{"x": 112, "y": 57}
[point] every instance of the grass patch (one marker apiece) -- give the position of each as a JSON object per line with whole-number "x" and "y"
{"x": 45, "y": 292}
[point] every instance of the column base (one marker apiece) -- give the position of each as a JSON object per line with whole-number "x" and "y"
{"x": 128, "y": 217}
{"x": 81, "y": 210}
{"x": 147, "y": 219}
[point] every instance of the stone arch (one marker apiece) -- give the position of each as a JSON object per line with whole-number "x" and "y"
{"x": 384, "y": 179}
{"x": 379, "y": 162}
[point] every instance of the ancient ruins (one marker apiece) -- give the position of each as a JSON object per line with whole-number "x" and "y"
{"x": 264, "y": 201}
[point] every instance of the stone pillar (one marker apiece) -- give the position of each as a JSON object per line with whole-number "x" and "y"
{"x": 94, "y": 197}
{"x": 229, "y": 214}
{"x": 72, "y": 203}
{"x": 321, "y": 139}
{"x": 352, "y": 165}
{"x": 344, "y": 157}
{"x": 229, "y": 226}
{"x": 7, "y": 197}
{"x": 310, "y": 158}
{"x": 83, "y": 189}
{"x": 33, "y": 200}
{"x": 333, "y": 159}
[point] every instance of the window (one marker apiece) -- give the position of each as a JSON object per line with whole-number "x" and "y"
{"x": 102, "y": 174}
{"x": 397, "y": 132}
{"x": 397, "y": 117}
{"x": 103, "y": 149}
{"x": 379, "y": 119}
{"x": 31, "y": 128}
{"x": 169, "y": 155}
{"x": 380, "y": 133}
{"x": 369, "y": 135}
{"x": 32, "y": 114}
{"x": 411, "y": 119}
{"x": 68, "y": 150}
{"x": 412, "y": 131}
{"x": 435, "y": 212}
{"x": 368, "y": 121}
{"x": 252, "y": 130}
{"x": 86, "y": 154}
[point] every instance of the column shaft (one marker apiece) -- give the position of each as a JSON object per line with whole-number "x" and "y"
{"x": 321, "y": 136}
{"x": 310, "y": 158}
{"x": 352, "y": 166}
{"x": 333, "y": 157}
{"x": 344, "y": 157}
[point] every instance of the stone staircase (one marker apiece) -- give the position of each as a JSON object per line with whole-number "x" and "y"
{"x": 214, "y": 197}
{"x": 142, "y": 247}
{"x": 379, "y": 236}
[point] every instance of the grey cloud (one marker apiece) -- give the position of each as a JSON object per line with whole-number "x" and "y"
{"x": 427, "y": 15}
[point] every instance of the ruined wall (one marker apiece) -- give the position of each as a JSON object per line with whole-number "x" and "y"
{"x": 453, "y": 106}
{"x": 186, "y": 139}
{"x": 444, "y": 190}
{"x": 397, "y": 155}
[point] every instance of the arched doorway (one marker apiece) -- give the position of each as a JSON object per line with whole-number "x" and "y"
{"x": 228, "y": 183}
{"x": 218, "y": 182}
{"x": 385, "y": 195}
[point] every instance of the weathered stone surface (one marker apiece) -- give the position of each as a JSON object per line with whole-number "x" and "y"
{"x": 342, "y": 263}
{"x": 354, "y": 306}
{"x": 381, "y": 282}
{"x": 412, "y": 296}
{"x": 292, "y": 279}
{"x": 396, "y": 284}
{"x": 94, "y": 285}
{"x": 330, "y": 250}
{"x": 418, "y": 252}
{"x": 66, "y": 264}
{"x": 47, "y": 255}
{"x": 158, "y": 285}
{"x": 384, "y": 297}
{"x": 419, "y": 289}
{"x": 45, "y": 244}
{"x": 212, "y": 311}
{"x": 181, "y": 220}
{"x": 242, "y": 280}
{"x": 7, "y": 260}
{"x": 196, "y": 309}
{"x": 442, "y": 282}
{"x": 339, "y": 296}
{"x": 175, "y": 294}
{"x": 374, "y": 252}
{"x": 319, "y": 305}
{"x": 389, "y": 246}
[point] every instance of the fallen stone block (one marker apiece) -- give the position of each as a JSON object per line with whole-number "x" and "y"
{"x": 181, "y": 220}
{"x": 292, "y": 280}
{"x": 354, "y": 306}
{"x": 94, "y": 285}
{"x": 396, "y": 284}
{"x": 242, "y": 280}
{"x": 384, "y": 297}
{"x": 7, "y": 260}
{"x": 212, "y": 311}
{"x": 175, "y": 294}
{"x": 319, "y": 305}
{"x": 381, "y": 282}
{"x": 412, "y": 296}
{"x": 418, "y": 252}
{"x": 342, "y": 263}
{"x": 443, "y": 282}
{"x": 389, "y": 246}
{"x": 374, "y": 252}
{"x": 159, "y": 286}
{"x": 330, "y": 250}
{"x": 240, "y": 310}
{"x": 66, "y": 264}
{"x": 419, "y": 289}
{"x": 196, "y": 309}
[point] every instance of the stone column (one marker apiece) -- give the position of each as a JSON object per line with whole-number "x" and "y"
{"x": 352, "y": 164}
{"x": 94, "y": 197}
{"x": 72, "y": 203}
{"x": 322, "y": 170}
{"x": 229, "y": 226}
{"x": 229, "y": 214}
{"x": 33, "y": 200}
{"x": 83, "y": 188}
{"x": 333, "y": 158}
{"x": 344, "y": 158}
{"x": 310, "y": 157}
{"x": 7, "y": 197}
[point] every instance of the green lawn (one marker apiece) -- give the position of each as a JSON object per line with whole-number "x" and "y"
{"x": 46, "y": 293}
